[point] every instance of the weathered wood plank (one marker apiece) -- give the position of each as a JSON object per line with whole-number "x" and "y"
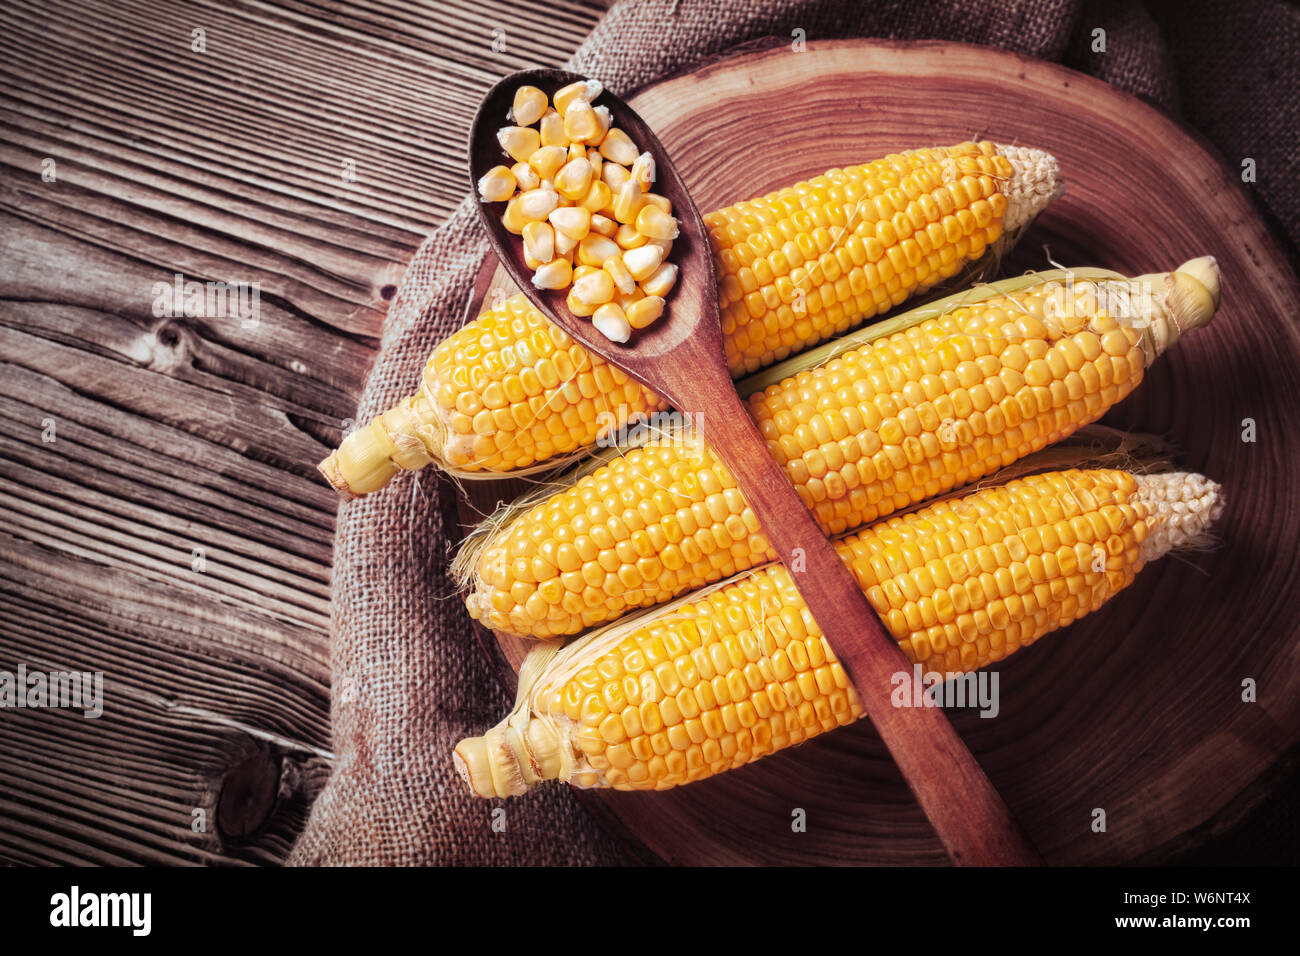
{"x": 123, "y": 456}
{"x": 183, "y": 705}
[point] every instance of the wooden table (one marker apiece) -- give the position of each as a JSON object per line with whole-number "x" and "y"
{"x": 161, "y": 520}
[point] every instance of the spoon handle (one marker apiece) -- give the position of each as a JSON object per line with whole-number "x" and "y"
{"x": 967, "y": 813}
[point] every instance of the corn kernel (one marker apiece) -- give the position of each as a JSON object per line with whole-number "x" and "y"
{"x": 627, "y": 202}
{"x": 574, "y": 179}
{"x": 539, "y": 241}
{"x": 577, "y": 307}
{"x": 618, "y": 147}
{"x": 519, "y": 142}
{"x": 496, "y": 185}
{"x": 587, "y": 90}
{"x": 654, "y": 223}
{"x": 660, "y": 281}
{"x": 603, "y": 120}
{"x": 548, "y": 160}
{"x": 623, "y": 301}
{"x": 565, "y": 244}
{"x": 594, "y": 289}
{"x": 643, "y": 171}
{"x": 529, "y": 105}
{"x": 526, "y": 177}
{"x": 643, "y": 262}
{"x": 628, "y": 238}
{"x": 617, "y": 270}
{"x": 597, "y": 198}
{"x": 555, "y": 274}
{"x": 610, "y": 321}
{"x": 645, "y": 311}
{"x": 580, "y": 121}
{"x": 573, "y": 221}
{"x": 551, "y": 130}
{"x": 537, "y": 204}
{"x": 513, "y": 218}
{"x": 660, "y": 202}
{"x": 594, "y": 250}
{"x": 614, "y": 176}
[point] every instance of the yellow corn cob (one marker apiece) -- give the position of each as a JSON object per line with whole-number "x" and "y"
{"x": 797, "y": 266}
{"x": 902, "y": 419}
{"x": 743, "y": 671}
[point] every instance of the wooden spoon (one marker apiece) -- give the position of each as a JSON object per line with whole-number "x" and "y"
{"x": 680, "y": 357}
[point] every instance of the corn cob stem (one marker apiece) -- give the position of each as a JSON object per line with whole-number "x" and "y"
{"x": 925, "y": 409}
{"x": 400, "y": 438}
{"x": 741, "y": 670}
{"x": 511, "y": 393}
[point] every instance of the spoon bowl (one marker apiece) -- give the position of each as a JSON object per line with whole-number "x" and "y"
{"x": 692, "y": 304}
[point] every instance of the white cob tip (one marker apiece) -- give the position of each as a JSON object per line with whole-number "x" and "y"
{"x": 1205, "y": 272}
{"x": 515, "y": 755}
{"x": 1167, "y": 305}
{"x": 1183, "y": 507}
{"x": 1035, "y": 182}
{"x": 1193, "y": 295}
{"x": 490, "y": 765}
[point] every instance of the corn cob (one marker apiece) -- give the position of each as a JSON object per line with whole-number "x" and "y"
{"x": 742, "y": 671}
{"x": 904, "y": 418}
{"x": 510, "y": 391}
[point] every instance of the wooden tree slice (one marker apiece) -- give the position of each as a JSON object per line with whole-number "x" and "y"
{"x": 1137, "y": 710}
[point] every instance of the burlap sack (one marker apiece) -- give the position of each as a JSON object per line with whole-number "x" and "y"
{"x": 409, "y": 680}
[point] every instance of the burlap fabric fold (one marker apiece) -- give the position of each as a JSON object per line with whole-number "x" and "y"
{"x": 408, "y": 679}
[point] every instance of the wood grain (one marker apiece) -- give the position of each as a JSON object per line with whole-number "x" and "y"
{"x": 172, "y": 434}
{"x": 1138, "y": 709}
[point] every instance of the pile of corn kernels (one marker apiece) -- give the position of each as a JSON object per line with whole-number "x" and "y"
{"x": 579, "y": 193}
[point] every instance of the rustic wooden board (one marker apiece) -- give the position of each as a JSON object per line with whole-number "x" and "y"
{"x": 1137, "y": 710}
{"x": 176, "y": 433}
